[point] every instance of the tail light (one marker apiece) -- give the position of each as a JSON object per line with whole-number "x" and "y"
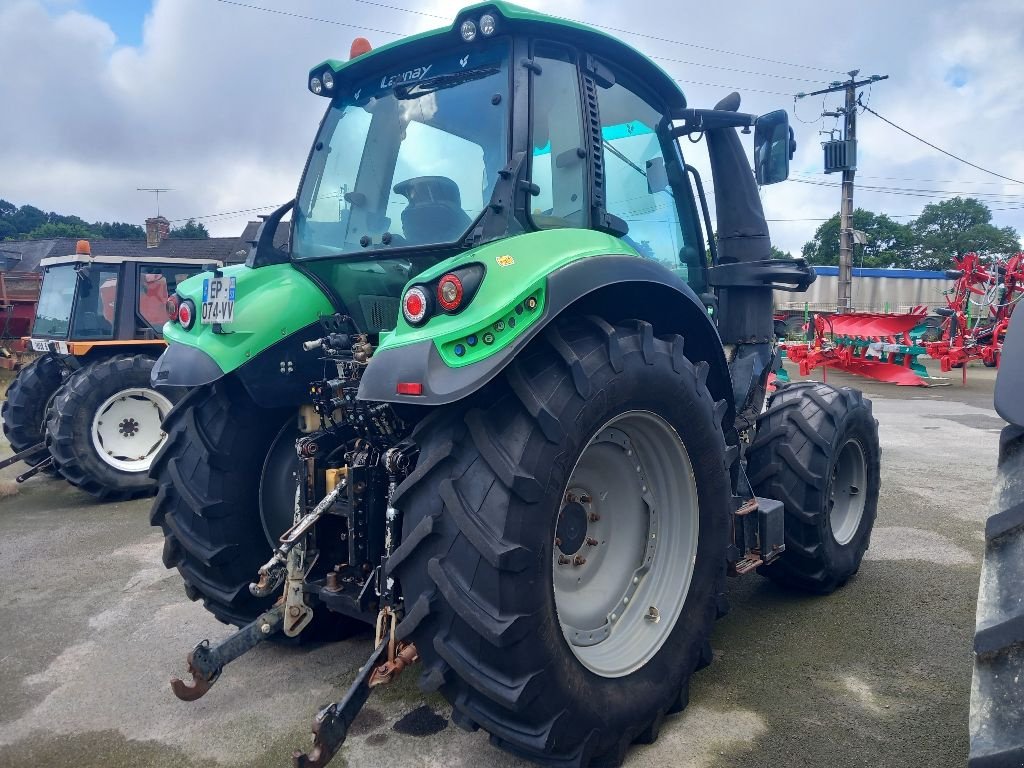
{"x": 187, "y": 314}
{"x": 414, "y": 305}
{"x": 449, "y": 292}
{"x": 172, "y": 307}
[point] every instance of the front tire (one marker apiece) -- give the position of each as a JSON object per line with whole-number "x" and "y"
{"x": 817, "y": 451}
{"x": 490, "y": 517}
{"x": 24, "y": 409}
{"x": 103, "y": 427}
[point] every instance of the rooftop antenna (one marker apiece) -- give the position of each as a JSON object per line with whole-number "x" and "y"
{"x": 157, "y": 190}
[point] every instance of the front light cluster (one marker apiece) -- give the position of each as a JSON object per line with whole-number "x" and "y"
{"x": 487, "y": 25}
{"x": 325, "y": 82}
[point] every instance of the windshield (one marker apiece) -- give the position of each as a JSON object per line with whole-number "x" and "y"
{"x": 53, "y": 312}
{"x": 89, "y": 291}
{"x": 406, "y": 158}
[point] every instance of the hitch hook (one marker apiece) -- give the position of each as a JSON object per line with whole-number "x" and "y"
{"x": 206, "y": 662}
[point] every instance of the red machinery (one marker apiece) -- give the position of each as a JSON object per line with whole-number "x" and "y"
{"x": 19, "y": 292}
{"x": 999, "y": 286}
{"x": 869, "y": 344}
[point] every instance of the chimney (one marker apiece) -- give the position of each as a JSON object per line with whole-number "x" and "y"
{"x": 157, "y": 229}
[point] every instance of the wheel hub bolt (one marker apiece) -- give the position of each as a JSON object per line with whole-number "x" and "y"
{"x": 579, "y": 560}
{"x": 594, "y": 517}
{"x": 653, "y": 615}
{"x": 591, "y": 541}
{"x": 563, "y": 560}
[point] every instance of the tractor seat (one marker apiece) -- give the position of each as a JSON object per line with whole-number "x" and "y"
{"x": 434, "y": 213}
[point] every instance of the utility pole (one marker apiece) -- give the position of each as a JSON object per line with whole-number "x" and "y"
{"x": 842, "y": 155}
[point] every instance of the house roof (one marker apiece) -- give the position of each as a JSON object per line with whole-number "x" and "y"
{"x": 25, "y": 255}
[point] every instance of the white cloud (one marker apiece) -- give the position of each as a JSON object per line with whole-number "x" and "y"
{"x": 213, "y": 102}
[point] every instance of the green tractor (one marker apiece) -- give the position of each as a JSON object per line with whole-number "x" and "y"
{"x": 498, "y": 398}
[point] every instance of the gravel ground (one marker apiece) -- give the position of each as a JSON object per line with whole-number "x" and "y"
{"x": 877, "y": 674}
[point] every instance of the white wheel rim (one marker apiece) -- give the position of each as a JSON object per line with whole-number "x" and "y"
{"x": 126, "y": 430}
{"x": 632, "y": 498}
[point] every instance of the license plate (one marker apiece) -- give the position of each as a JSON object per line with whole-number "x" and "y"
{"x": 218, "y": 300}
{"x": 43, "y": 345}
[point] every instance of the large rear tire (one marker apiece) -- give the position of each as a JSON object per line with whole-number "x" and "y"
{"x": 24, "y": 410}
{"x": 103, "y": 428}
{"x": 208, "y": 502}
{"x": 997, "y": 696}
{"x": 817, "y": 451}
{"x": 227, "y": 478}
{"x": 594, "y": 465}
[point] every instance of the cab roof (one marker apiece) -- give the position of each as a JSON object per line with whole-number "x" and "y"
{"x": 80, "y": 258}
{"x": 511, "y": 19}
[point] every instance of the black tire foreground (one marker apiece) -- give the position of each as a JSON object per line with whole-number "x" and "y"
{"x": 793, "y": 458}
{"x": 24, "y": 410}
{"x": 69, "y": 427}
{"x": 997, "y": 690}
{"x": 207, "y": 504}
{"x": 480, "y": 511}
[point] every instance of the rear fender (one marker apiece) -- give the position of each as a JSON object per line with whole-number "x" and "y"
{"x": 613, "y": 287}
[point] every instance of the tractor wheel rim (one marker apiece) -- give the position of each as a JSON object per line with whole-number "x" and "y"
{"x": 848, "y": 493}
{"x": 127, "y": 428}
{"x": 625, "y": 544}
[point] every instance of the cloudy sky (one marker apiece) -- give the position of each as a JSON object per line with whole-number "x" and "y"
{"x": 99, "y": 97}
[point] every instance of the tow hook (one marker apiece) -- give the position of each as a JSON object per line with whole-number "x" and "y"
{"x": 206, "y": 662}
{"x": 330, "y": 727}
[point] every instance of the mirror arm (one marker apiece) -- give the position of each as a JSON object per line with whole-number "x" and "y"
{"x": 697, "y": 120}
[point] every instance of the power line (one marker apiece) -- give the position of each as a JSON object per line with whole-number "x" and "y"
{"x": 627, "y": 32}
{"x": 310, "y": 18}
{"x": 226, "y": 213}
{"x": 955, "y": 193}
{"x": 944, "y": 194}
{"x": 922, "y": 181}
{"x": 940, "y": 149}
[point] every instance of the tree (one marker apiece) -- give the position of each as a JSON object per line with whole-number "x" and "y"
{"x": 778, "y": 253}
{"x": 191, "y": 230}
{"x": 118, "y": 230}
{"x": 890, "y": 244}
{"x": 959, "y": 226}
{"x": 71, "y": 226}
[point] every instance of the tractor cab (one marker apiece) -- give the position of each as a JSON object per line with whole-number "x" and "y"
{"x": 507, "y": 123}
{"x": 88, "y": 302}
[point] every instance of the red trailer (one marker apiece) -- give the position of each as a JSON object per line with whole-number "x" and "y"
{"x": 19, "y": 292}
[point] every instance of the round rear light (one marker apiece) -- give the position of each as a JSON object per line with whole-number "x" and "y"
{"x": 172, "y": 307}
{"x": 187, "y": 314}
{"x": 414, "y": 305}
{"x": 449, "y": 292}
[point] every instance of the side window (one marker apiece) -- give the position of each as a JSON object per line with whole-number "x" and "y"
{"x": 96, "y": 305}
{"x": 559, "y": 160}
{"x": 156, "y": 286}
{"x": 637, "y": 186}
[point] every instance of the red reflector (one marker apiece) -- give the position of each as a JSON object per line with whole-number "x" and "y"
{"x": 410, "y": 388}
{"x": 185, "y": 315}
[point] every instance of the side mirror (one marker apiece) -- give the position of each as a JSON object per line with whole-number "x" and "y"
{"x": 657, "y": 175}
{"x": 773, "y": 147}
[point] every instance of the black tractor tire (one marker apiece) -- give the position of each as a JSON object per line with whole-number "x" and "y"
{"x": 795, "y": 458}
{"x": 24, "y": 410}
{"x": 209, "y": 501}
{"x": 479, "y": 522}
{"x": 69, "y": 427}
{"x": 997, "y": 696}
